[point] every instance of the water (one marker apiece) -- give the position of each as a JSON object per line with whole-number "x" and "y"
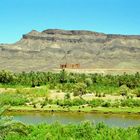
{"x": 112, "y": 120}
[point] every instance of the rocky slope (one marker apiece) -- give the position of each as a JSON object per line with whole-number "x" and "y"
{"x": 48, "y": 49}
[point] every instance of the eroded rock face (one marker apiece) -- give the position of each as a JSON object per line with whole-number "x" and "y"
{"x": 48, "y": 49}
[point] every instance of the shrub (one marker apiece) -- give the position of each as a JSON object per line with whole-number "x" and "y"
{"x": 78, "y": 102}
{"x": 124, "y": 90}
{"x": 137, "y": 92}
{"x": 67, "y": 102}
{"x": 52, "y": 85}
{"x": 72, "y": 79}
{"x": 116, "y": 103}
{"x": 45, "y": 102}
{"x": 104, "y": 95}
{"x": 6, "y": 77}
{"x": 67, "y": 96}
{"x": 67, "y": 87}
{"x": 106, "y": 104}
{"x": 130, "y": 103}
{"x": 96, "y": 102}
{"x": 88, "y": 82}
{"x": 79, "y": 89}
{"x": 59, "y": 102}
{"x": 129, "y": 96}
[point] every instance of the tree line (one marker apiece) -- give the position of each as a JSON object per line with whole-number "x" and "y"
{"x": 42, "y": 78}
{"x": 77, "y": 83}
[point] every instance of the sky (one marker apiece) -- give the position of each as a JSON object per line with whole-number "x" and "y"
{"x": 18, "y": 17}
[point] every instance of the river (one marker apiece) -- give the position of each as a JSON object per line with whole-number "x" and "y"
{"x": 112, "y": 120}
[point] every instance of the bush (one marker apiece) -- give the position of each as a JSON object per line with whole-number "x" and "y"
{"x": 130, "y": 103}
{"x": 67, "y": 87}
{"x": 124, "y": 90}
{"x": 137, "y": 92}
{"x": 72, "y": 79}
{"x": 99, "y": 95}
{"x": 78, "y": 102}
{"x": 88, "y": 82}
{"x": 67, "y": 102}
{"x": 67, "y": 96}
{"x": 79, "y": 89}
{"x": 116, "y": 103}
{"x": 6, "y": 77}
{"x": 45, "y": 102}
{"x": 52, "y": 85}
{"x": 96, "y": 102}
{"x": 106, "y": 104}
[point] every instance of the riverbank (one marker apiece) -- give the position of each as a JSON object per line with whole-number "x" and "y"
{"x": 55, "y": 108}
{"x": 83, "y": 131}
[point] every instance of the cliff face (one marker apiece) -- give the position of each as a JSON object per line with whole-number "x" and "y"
{"x": 48, "y": 49}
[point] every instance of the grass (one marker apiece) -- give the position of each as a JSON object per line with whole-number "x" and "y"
{"x": 104, "y": 89}
{"x": 37, "y": 92}
{"x": 76, "y": 109}
{"x": 12, "y": 86}
{"x": 41, "y": 91}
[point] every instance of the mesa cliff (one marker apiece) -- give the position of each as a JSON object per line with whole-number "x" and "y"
{"x": 46, "y": 50}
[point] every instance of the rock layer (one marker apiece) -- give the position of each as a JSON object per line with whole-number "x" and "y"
{"x": 46, "y": 50}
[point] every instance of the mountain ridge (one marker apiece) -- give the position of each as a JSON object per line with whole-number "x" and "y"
{"x": 46, "y": 50}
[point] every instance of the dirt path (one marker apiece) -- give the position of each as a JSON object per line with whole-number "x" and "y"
{"x": 102, "y": 71}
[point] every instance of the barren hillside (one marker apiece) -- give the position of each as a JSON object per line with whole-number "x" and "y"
{"x": 41, "y": 51}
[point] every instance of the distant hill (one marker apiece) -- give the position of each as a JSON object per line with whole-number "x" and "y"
{"x": 46, "y": 50}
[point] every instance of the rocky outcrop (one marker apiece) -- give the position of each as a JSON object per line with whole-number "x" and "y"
{"x": 48, "y": 49}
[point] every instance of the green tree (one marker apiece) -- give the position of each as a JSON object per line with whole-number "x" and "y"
{"x": 63, "y": 76}
{"x": 124, "y": 90}
{"x": 6, "y": 77}
{"x": 79, "y": 89}
{"x": 88, "y": 82}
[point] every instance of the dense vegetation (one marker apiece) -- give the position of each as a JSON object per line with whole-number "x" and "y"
{"x": 8, "y": 126}
{"x": 83, "y": 131}
{"x": 125, "y": 85}
{"x": 77, "y": 83}
{"x": 15, "y": 99}
{"x": 26, "y": 88}
{"x": 11, "y": 130}
{"x": 98, "y": 103}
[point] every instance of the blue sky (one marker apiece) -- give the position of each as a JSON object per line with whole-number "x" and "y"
{"x": 18, "y": 17}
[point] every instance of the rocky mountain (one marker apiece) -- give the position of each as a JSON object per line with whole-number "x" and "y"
{"x": 46, "y": 50}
